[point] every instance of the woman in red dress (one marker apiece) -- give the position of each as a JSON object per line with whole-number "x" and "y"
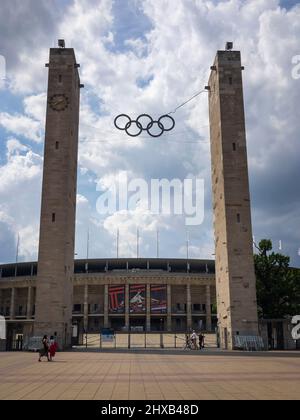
{"x": 52, "y": 348}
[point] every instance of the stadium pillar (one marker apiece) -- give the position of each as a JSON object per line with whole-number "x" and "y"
{"x": 28, "y": 308}
{"x": 86, "y": 307}
{"x": 188, "y": 307}
{"x": 106, "y": 306}
{"x": 169, "y": 308}
{"x": 12, "y": 303}
{"x": 54, "y": 291}
{"x": 235, "y": 277}
{"x": 148, "y": 308}
{"x": 208, "y": 308}
{"x": 127, "y": 320}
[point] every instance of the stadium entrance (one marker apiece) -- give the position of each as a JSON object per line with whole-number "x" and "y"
{"x": 108, "y": 339}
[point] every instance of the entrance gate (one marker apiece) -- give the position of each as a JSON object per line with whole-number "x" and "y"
{"x": 135, "y": 340}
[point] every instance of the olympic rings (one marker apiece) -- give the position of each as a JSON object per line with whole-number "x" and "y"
{"x": 140, "y": 126}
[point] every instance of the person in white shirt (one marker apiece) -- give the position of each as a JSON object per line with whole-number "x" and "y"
{"x": 194, "y": 340}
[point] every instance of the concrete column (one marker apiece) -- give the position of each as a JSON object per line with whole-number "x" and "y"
{"x": 169, "y": 307}
{"x": 106, "y": 322}
{"x": 28, "y": 309}
{"x": 127, "y": 307}
{"x": 148, "y": 308}
{"x": 188, "y": 307}
{"x": 237, "y": 304}
{"x": 12, "y": 303}
{"x": 208, "y": 308}
{"x": 86, "y": 307}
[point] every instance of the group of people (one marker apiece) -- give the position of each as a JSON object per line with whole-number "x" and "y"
{"x": 49, "y": 348}
{"x": 191, "y": 341}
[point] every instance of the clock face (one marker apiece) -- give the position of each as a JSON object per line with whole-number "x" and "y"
{"x": 59, "y": 102}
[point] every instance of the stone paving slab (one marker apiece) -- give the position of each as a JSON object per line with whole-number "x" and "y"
{"x": 150, "y": 376}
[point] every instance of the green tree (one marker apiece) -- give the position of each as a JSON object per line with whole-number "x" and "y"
{"x": 278, "y": 285}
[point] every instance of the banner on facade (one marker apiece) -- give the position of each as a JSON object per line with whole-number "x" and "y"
{"x": 158, "y": 299}
{"x": 137, "y": 299}
{"x": 116, "y": 296}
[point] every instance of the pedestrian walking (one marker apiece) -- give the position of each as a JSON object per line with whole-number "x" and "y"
{"x": 201, "y": 341}
{"x": 52, "y": 348}
{"x": 187, "y": 342}
{"x": 194, "y": 340}
{"x": 44, "y": 351}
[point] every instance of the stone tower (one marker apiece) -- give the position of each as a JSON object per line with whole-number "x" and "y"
{"x": 235, "y": 278}
{"x": 57, "y": 225}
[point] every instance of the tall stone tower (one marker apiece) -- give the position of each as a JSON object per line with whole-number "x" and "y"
{"x": 235, "y": 278}
{"x": 57, "y": 225}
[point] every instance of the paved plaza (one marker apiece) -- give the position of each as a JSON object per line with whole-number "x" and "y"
{"x": 161, "y": 375}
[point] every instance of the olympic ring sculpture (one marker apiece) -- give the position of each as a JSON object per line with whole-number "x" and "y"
{"x": 144, "y": 126}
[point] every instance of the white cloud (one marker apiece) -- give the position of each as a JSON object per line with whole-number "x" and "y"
{"x": 81, "y": 200}
{"x": 204, "y": 252}
{"x": 30, "y": 74}
{"x": 15, "y": 146}
{"x": 35, "y": 107}
{"x": 82, "y": 211}
{"x": 27, "y": 30}
{"x": 20, "y": 186}
{"x": 19, "y": 169}
{"x": 138, "y": 45}
{"x": 29, "y": 242}
{"x": 21, "y": 125}
{"x": 128, "y": 222}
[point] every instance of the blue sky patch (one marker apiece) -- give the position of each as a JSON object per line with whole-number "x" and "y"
{"x": 129, "y": 23}
{"x": 144, "y": 82}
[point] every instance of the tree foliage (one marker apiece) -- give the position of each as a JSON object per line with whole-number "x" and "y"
{"x": 278, "y": 285}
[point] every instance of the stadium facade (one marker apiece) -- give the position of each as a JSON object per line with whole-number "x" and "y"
{"x": 137, "y": 295}
{"x": 124, "y": 294}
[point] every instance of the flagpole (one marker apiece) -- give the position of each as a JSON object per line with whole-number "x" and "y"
{"x": 88, "y": 245}
{"x": 87, "y": 250}
{"x": 157, "y": 243}
{"x": 187, "y": 251}
{"x": 17, "y": 250}
{"x": 118, "y": 237}
{"x": 187, "y": 245}
{"x": 17, "y": 254}
{"x": 137, "y": 243}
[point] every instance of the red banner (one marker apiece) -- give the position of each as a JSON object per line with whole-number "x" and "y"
{"x": 158, "y": 299}
{"x": 116, "y": 296}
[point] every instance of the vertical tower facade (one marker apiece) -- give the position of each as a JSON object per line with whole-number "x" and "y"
{"x": 53, "y": 312}
{"x": 235, "y": 277}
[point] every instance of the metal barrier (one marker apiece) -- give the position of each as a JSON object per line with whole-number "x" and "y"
{"x": 249, "y": 343}
{"x": 33, "y": 343}
{"x": 136, "y": 340}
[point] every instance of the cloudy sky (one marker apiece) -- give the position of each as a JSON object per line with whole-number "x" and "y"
{"x": 148, "y": 56}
